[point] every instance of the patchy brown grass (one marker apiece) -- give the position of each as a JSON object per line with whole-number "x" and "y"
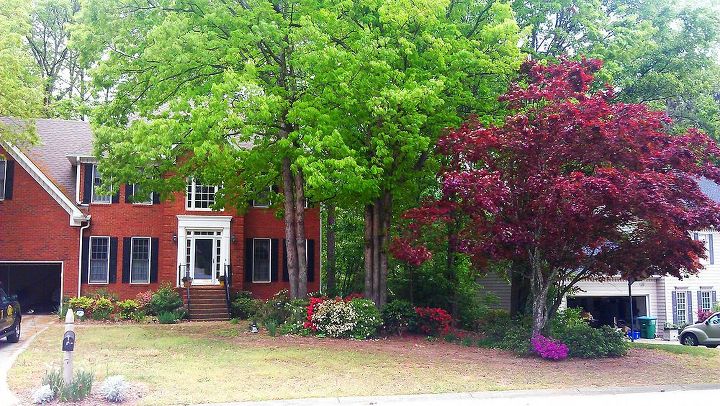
{"x": 220, "y": 362}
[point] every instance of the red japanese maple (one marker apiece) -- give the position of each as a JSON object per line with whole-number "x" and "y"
{"x": 575, "y": 185}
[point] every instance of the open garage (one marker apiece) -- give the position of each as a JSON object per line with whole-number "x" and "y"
{"x": 37, "y": 285}
{"x": 610, "y": 310}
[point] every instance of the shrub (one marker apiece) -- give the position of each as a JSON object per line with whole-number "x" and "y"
{"x": 334, "y": 318}
{"x": 170, "y": 317}
{"x": 244, "y": 306}
{"x": 272, "y": 327}
{"x": 43, "y": 394}
{"x": 584, "y": 341}
{"x": 54, "y": 379}
{"x": 549, "y": 349}
{"x": 368, "y": 318}
{"x": 128, "y": 308}
{"x": 82, "y": 302}
{"x": 143, "y": 299}
{"x": 432, "y": 321}
{"x": 79, "y": 389}
{"x": 114, "y": 389}
{"x": 506, "y": 333}
{"x": 703, "y": 315}
{"x": 164, "y": 300}
{"x": 397, "y": 316}
{"x": 102, "y": 308}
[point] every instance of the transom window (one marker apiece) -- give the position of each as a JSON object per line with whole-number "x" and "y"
{"x": 97, "y": 196}
{"x": 3, "y": 166}
{"x": 140, "y": 197}
{"x": 140, "y": 260}
{"x": 261, "y": 260}
{"x": 681, "y": 307}
{"x": 705, "y": 301}
{"x": 99, "y": 259}
{"x": 199, "y": 196}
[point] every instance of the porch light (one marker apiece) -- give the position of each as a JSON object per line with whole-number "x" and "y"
{"x": 174, "y": 237}
{"x": 233, "y": 238}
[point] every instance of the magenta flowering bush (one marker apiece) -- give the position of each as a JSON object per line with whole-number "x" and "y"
{"x": 548, "y": 348}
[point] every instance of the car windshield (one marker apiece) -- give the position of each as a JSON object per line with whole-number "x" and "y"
{"x": 714, "y": 320}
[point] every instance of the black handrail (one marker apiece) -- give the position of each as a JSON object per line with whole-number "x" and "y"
{"x": 186, "y": 282}
{"x": 228, "y": 281}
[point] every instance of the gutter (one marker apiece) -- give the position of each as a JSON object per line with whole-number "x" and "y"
{"x": 83, "y": 228}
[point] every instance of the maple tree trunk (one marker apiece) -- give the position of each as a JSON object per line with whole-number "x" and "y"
{"x": 539, "y": 289}
{"x": 330, "y": 250}
{"x": 377, "y": 230}
{"x": 290, "y": 235}
{"x": 300, "y": 240}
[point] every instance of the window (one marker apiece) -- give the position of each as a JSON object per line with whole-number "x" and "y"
{"x": 707, "y": 239}
{"x": 99, "y": 259}
{"x": 705, "y": 301}
{"x": 261, "y": 260}
{"x": 97, "y": 197}
{"x": 139, "y": 197}
{"x": 681, "y": 308}
{"x": 140, "y": 260}
{"x": 263, "y": 199}
{"x": 3, "y": 166}
{"x": 199, "y": 196}
{"x": 714, "y": 321}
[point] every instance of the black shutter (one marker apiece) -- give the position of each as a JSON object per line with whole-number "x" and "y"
{"x": 87, "y": 183}
{"x": 248, "y": 259}
{"x": 156, "y": 198}
{"x": 9, "y": 176}
{"x": 154, "y": 257}
{"x": 128, "y": 193}
{"x": 127, "y": 242}
{"x": 85, "y": 265}
{"x": 286, "y": 275}
{"x": 311, "y": 260}
{"x": 116, "y": 196}
{"x": 112, "y": 273}
{"x": 274, "y": 251}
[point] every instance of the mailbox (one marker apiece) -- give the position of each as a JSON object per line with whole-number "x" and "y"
{"x": 68, "y": 343}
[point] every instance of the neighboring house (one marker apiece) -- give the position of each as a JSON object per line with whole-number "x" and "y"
{"x": 59, "y": 236}
{"x": 669, "y": 299}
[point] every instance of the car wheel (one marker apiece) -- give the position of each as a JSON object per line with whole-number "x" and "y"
{"x": 15, "y": 335}
{"x": 689, "y": 339}
{"x": 712, "y": 345}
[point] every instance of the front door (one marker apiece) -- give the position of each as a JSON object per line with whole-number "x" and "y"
{"x": 203, "y": 256}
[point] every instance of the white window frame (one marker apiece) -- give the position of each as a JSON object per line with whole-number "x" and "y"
{"x": 707, "y": 239}
{"x": 148, "y": 202}
{"x": 149, "y": 260}
{"x": 681, "y": 311}
{"x": 107, "y": 262}
{"x": 270, "y": 259}
{"x": 92, "y": 189}
{"x": 190, "y": 200}
{"x": 702, "y": 300}
{"x": 269, "y": 200}
{"x": 4, "y": 179}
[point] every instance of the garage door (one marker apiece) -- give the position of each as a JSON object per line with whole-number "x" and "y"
{"x": 610, "y": 310}
{"x": 37, "y": 285}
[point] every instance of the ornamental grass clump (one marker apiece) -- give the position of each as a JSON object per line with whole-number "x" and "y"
{"x": 548, "y": 349}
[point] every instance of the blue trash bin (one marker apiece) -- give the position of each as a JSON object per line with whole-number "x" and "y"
{"x": 634, "y": 334}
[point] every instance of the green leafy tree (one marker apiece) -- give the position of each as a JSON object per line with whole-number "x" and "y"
{"x": 20, "y": 95}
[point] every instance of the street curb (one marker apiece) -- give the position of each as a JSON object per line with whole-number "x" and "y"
{"x": 6, "y": 395}
{"x": 449, "y": 397}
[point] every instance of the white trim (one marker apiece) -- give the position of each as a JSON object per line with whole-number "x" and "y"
{"x": 62, "y": 273}
{"x": 76, "y": 216}
{"x": 146, "y": 203}
{"x": 149, "y": 260}
{"x": 270, "y": 258}
{"x": 193, "y": 183}
{"x": 107, "y": 276}
{"x": 187, "y": 222}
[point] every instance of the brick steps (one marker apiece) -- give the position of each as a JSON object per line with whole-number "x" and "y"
{"x": 207, "y": 303}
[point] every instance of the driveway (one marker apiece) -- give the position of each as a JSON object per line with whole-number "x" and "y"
{"x": 31, "y": 325}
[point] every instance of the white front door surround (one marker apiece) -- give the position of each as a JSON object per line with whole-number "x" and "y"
{"x": 203, "y": 247}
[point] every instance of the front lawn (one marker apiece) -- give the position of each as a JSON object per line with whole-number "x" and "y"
{"x": 703, "y": 352}
{"x": 221, "y": 362}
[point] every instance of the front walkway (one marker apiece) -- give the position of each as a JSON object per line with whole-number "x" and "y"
{"x": 31, "y": 326}
{"x": 658, "y": 395}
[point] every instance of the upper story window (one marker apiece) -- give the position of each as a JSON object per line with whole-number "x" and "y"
{"x": 707, "y": 239}
{"x": 3, "y": 176}
{"x": 199, "y": 196}
{"x": 140, "y": 197}
{"x": 99, "y": 260}
{"x": 263, "y": 199}
{"x": 97, "y": 196}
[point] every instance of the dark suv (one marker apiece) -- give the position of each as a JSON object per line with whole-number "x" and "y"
{"x": 9, "y": 317}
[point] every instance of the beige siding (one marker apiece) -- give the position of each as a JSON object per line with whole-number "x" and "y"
{"x": 499, "y": 287}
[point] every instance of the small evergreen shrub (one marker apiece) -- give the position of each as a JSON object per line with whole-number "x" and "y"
{"x": 397, "y": 316}
{"x": 114, "y": 389}
{"x": 102, "y": 308}
{"x": 584, "y": 341}
{"x": 368, "y": 319}
{"x": 170, "y": 317}
{"x": 83, "y": 302}
{"x": 244, "y": 306}
{"x": 128, "y": 308}
{"x": 164, "y": 300}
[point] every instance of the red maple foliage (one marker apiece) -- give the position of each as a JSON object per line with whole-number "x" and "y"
{"x": 575, "y": 185}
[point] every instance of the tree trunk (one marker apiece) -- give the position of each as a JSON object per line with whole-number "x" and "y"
{"x": 300, "y": 239}
{"x": 539, "y": 288}
{"x": 378, "y": 216}
{"x": 330, "y": 236}
{"x": 290, "y": 235}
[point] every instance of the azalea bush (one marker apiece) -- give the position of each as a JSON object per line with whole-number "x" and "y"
{"x": 703, "y": 315}
{"x": 351, "y": 317}
{"x": 432, "y": 321}
{"x": 397, "y": 316}
{"x": 548, "y": 348}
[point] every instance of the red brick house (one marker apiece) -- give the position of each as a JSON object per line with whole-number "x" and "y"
{"x": 60, "y": 237}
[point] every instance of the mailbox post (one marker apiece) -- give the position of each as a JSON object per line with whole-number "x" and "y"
{"x": 68, "y": 346}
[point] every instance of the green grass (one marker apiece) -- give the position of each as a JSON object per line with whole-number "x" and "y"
{"x": 702, "y": 352}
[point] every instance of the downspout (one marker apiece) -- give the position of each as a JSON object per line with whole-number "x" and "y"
{"x": 77, "y": 183}
{"x": 83, "y": 228}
